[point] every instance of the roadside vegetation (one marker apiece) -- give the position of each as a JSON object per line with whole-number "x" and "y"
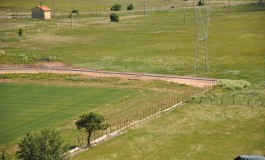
{"x": 7, "y": 58}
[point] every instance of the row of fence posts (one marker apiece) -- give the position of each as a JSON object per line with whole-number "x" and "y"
{"x": 232, "y": 102}
{"x": 164, "y": 106}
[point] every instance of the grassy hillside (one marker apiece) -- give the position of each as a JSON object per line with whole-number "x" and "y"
{"x": 158, "y": 42}
{"x": 190, "y": 132}
{"x": 197, "y": 130}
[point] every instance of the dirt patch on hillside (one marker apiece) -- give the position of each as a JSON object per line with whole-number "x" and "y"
{"x": 37, "y": 65}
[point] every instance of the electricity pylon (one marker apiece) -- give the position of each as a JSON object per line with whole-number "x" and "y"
{"x": 201, "y": 21}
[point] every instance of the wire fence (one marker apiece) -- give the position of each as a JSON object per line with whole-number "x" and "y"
{"x": 119, "y": 126}
{"x": 231, "y": 102}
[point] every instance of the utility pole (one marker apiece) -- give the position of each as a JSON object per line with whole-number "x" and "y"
{"x": 185, "y": 10}
{"x": 26, "y": 26}
{"x": 71, "y": 14}
{"x": 229, "y": 5}
{"x": 97, "y": 9}
{"x": 144, "y": 7}
{"x": 201, "y": 21}
{"x": 54, "y": 10}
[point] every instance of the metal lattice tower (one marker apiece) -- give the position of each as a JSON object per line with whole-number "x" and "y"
{"x": 201, "y": 20}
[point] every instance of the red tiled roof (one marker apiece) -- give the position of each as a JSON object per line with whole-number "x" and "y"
{"x": 45, "y": 8}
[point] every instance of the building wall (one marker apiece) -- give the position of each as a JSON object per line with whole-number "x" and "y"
{"x": 37, "y": 13}
{"x": 47, "y": 15}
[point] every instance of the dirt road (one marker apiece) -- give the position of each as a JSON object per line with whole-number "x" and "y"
{"x": 198, "y": 82}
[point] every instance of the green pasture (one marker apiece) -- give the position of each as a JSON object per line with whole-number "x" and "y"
{"x": 190, "y": 132}
{"x": 62, "y": 6}
{"x": 25, "y": 108}
{"x": 158, "y": 42}
{"x": 196, "y": 130}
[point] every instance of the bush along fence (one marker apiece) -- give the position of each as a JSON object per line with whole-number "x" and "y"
{"x": 231, "y": 102}
{"x": 119, "y": 127}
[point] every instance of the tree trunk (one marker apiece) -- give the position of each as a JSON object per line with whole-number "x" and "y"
{"x": 88, "y": 139}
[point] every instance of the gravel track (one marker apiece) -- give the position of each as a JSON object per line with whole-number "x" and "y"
{"x": 193, "y": 81}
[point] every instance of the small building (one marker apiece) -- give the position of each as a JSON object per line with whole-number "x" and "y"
{"x": 41, "y": 12}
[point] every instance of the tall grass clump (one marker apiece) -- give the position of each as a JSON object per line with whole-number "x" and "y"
{"x": 233, "y": 84}
{"x": 22, "y": 58}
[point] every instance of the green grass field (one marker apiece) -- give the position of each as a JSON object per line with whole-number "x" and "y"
{"x": 190, "y": 132}
{"x": 46, "y": 100}
{"x": 26, "y": 108}
{"x": 158, "y": 42}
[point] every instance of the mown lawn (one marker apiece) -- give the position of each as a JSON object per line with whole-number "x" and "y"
{"x": 25, "y": 108}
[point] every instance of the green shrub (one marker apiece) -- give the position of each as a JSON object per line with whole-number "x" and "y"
{"x": 55, "y": 59}
{"x": 2, "y": 53}
{"x": 130, "y": 7}
{"x": 47, "y": 144}
{"x": 115, "y": 7}
{"x": 20, "y": 32}
{"x": 232, "y": 84}
{"x": 114, "y": 17}
{"x": 76, "y": 11}
{"x": 200, "y": 3}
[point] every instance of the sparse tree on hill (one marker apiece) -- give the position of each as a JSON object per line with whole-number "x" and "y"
{"x": 114, "y": 17}
{"x": 91, "y": 122}
{"x": 200, "y": 3}
{"x": 76, "y": 11}
{"x": 46, "y": 145}
{"x": 115, "y": 7}
{"x": 130, "y": 7}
